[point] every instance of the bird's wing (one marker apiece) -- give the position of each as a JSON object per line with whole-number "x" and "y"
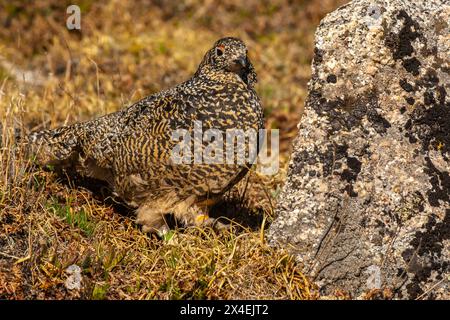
{"x": 146, "y": 142}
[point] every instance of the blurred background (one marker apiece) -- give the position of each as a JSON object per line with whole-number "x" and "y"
{"x": 126, "y": 50}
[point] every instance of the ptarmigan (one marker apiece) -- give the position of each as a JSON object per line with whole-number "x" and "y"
{"x": 132, "y": 149}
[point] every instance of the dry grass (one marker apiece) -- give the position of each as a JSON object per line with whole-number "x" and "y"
{"x": 126, "y": 51}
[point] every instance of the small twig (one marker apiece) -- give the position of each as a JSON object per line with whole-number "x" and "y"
{"x": 266, "y": 193}
{"x": 28, "y": 256}
{"x": 327, "y": 231}
{"x": 429, "y": 290}
{"x": 261, "y": 232}
{"x": 241, "y": 200}
{"x": 331, "y": 262}
{"x": 413, "y": 256}
{"x": 98, "y": 81}
{"x": 391, "y": 244}
{"x": 9, "y": 256}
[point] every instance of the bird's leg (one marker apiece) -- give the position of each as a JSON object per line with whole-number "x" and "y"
{"x": 152, "y": 220}
{"x": 216, "y": 224}
{"x": 205, "y": 220}
{"x": 199, "y": 217}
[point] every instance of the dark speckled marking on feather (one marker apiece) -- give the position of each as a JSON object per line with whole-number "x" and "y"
{"x": 131, "y": 148}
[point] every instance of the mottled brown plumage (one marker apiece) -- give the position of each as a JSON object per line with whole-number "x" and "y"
{"x": 131, "y": 149}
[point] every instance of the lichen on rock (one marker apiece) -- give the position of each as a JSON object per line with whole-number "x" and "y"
{"x": 367, "y": 199}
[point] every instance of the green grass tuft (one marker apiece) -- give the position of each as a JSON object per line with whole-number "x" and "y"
{"x": 78, "y": 219}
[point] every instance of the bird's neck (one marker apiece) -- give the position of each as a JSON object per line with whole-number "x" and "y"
{"x": 218, "y": 75}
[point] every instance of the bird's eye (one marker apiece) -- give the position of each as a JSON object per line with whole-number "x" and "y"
{"x": 219, "y": 50}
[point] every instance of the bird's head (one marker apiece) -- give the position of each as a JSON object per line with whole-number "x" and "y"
{"x": 229, "y": 55}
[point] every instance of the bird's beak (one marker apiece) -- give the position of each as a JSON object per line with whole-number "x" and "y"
{"x": 242, "y": 61}
{"x": 238, "y": 65}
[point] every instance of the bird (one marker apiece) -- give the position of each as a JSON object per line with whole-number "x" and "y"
{"x": 132, "y": 149}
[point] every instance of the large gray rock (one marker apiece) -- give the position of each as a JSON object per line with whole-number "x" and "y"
{"x": 366, "y": 204}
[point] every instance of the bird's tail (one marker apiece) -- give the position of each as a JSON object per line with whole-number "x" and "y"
{"x": 51, "y": 147}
